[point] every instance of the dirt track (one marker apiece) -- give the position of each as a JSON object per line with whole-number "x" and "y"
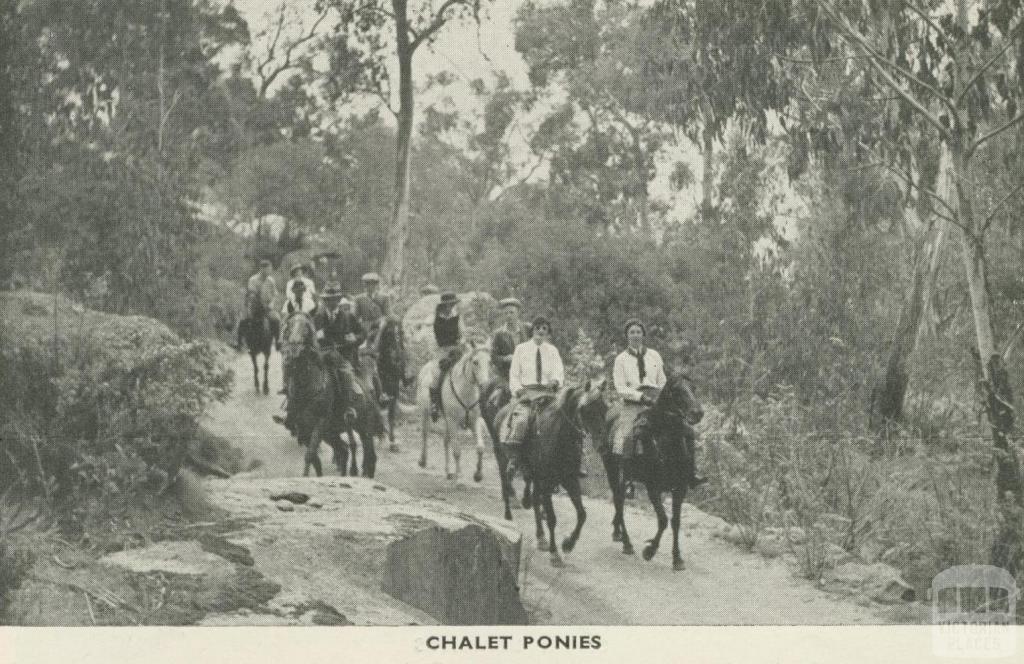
{"x": 598, "y": 585}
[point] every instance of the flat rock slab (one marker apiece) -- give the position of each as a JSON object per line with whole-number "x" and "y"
{"x": 374, "y": 554}
{"x": 173, "y": 557}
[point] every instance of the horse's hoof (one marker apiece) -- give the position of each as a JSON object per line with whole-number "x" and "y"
{"x": 568, "y": 544}
{"x": 395, "y": 448}
{"x": 526, "y": 503}
{"x": 450, "y": 476}
{"x": 678, "y": 565}
{"x": 616, "y": 536}
{"x": 627, "y": 549}
{"x": 478, "y": 476}
{"x": 556, "y": 561}
{"x": 508, "y": 515}
{"x": 542, "y": 544}
{"x": 649, "y": 552}
{"x": 422, "y": 463}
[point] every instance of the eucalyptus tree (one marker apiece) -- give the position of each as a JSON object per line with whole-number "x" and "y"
{"x": 371, "y": 32}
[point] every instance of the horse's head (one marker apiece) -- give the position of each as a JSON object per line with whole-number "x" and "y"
{"x": 678, "y": 397}
{"x": 299, "y": 331}
{"x": 478, "y": 364}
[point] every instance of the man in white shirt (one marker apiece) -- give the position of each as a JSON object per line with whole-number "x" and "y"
{"x": 536, "y": 373}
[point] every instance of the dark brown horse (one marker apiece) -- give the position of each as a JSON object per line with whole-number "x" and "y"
{"x": 315, "y": 407}
{"x": 259, "y": 331}
{"x": 662, "y": 465}
{"x": 552, "y": 458}
{"x": 390, "y": 367}
{"x": 494, "y": 398}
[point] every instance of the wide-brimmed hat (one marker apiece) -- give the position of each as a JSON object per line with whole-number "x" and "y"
{"x": 332, "y": 291}
{"x": 449, "y": 297}
{"x": 265, "y": 263}
{"x": 371, "y": 277}
{"x": 510, "y": 302}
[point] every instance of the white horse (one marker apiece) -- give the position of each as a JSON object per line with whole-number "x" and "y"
{"x": 460, "y": 406}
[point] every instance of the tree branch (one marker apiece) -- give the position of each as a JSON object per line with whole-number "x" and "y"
{"x": 876, "y": 61}
{"x": 991, "y": 61}
{"x": 992, "y": 213}
{"x": 268, "y": 79}
{"x": 995, "y": 132}
{"x": 436, "y": 24}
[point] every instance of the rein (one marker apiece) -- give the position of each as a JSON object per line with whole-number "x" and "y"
{"x": 464, "y": 362}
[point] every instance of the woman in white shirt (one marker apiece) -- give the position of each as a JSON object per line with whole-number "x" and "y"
{"x": 639, "y": 375}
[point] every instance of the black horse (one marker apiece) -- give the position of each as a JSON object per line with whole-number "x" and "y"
{"x": 553, "y": 460}
{"x": 662, "y": 464}
{"x": 390, "y": 367}
{"x": 259, "y": 331}
{"x": 316, "y": 410}
{"x": 494, "y": 398}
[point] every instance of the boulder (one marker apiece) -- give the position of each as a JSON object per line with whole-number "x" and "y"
{"x": 376, "y": 556}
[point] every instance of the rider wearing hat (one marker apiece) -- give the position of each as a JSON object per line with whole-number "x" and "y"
{"x": 299, "y": 274}
{"x": 511, "y": 326}
{"x": 536, "y": 374}
{"x": 298, "y": 302}
{"x": 448, "y": 333}
{"x": 259, "y": 290}
{"x": 340, "y": 332}
{"x": 639, "y": 376}
{"x": 372, "y": 306}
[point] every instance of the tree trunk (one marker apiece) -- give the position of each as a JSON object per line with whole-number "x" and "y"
{"x": 707, "y": 204}
{"x": 889, "y": 395}
{"x": 398, "y": 233}
{"x": 994, "y": 378}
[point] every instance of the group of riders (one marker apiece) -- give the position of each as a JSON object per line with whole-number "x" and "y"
{"x": 529, "y": 365}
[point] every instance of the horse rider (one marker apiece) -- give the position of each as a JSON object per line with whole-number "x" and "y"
{"x": 372, "y": 306}
{"x": 639, "y": 376}
{"x": 448, "y": 333}
{"x": 511, "y": 327}
{"x": 299, "y": 301}
{"x": 534, "y": 377}
{"x": 261, "y": 285}
{"x": 341, "y": 334}
{"x": 299, "y": 274}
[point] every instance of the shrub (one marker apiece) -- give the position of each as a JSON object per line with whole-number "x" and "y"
{"x": 97, "y": 402}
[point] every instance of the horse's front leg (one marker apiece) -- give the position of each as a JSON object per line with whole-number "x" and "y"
{"x": 619, "y": 501}
{"x": 424, "y": 432}
{"x": 652, "y": 544}
{"x": 572, "y": 487}
{"x": 266, "y": 373}
{"x": 549, "y": 512}
{"x": 677, "y": 504}
{"x": 507, "y": 492}
{"x": 478, "y": 424}
{"x": 369, "y": 454}
{"x": 455, "y": 441}
{"x": 392, "y": 417}
{"x": 255, "y": 371}
{"x": 353, "y": 469}
{"x": 538, "y": 517}
{"x": 312, "y": 443}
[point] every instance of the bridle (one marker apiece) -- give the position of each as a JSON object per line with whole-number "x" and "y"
{"x": 465, "y": 362}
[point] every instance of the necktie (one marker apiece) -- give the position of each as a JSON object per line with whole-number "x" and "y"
{"x": 539, "y": 374}
{"x": 641, "y": 369}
